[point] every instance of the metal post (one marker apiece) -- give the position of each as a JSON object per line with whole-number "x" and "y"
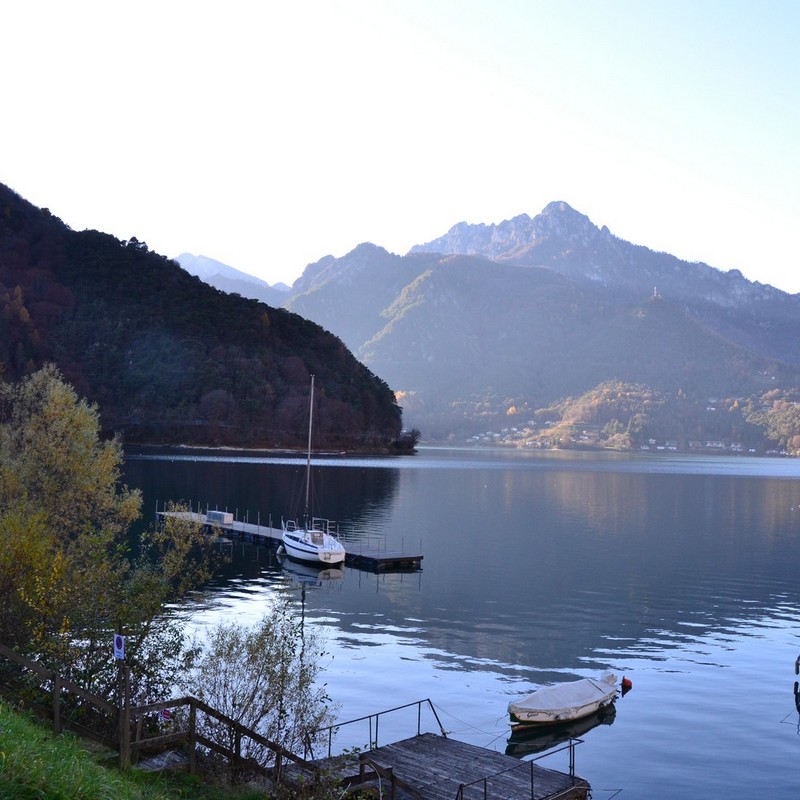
{"x": 572, "y": 759}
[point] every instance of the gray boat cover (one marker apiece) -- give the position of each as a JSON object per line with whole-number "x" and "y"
{"x": 567, "y": 700}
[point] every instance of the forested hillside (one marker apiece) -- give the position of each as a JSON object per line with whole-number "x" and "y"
{"x": 489, "y": 326}
{"x": 168, "y": 358}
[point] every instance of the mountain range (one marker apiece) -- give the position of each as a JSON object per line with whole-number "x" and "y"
{"x": 489, "y": 326}
{"x": 234, "y": 281}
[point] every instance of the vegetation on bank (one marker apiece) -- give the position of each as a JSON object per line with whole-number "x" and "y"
{"x": 169, "y": 359}
{"x": 71, "y": 579}
{"x": 34, "y": 765}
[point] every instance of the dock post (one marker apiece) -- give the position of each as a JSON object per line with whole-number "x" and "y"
{"x": 572, "y": 759}
{"x": 124, "y": 718}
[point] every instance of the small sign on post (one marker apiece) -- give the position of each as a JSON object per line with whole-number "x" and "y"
{"x": 119, "y": 647}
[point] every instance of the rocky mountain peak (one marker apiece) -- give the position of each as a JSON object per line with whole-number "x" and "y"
{"x": 511, "y": 237}
{"x": 560, "y": 219}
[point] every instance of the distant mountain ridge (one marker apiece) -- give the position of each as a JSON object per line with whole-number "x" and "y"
{"x": 487, "y": 325}
{"x": 567, "y": 241}
{"x": 231, "y": 280}
{"x": 512, "y": 239}
{"x": 752, "y": 314}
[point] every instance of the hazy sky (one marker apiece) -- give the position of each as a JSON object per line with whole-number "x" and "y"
{"x": 268, "y": 134}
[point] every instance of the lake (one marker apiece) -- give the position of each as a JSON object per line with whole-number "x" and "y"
{"x": 680, "y": 573}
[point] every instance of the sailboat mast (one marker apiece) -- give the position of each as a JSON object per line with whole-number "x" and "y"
{"x": 308, "y": 456}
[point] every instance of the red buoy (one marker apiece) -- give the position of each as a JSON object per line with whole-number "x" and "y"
{"x": 626, "y": 684}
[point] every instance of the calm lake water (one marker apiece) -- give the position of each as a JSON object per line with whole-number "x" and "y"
{"x": 680, "y": 573}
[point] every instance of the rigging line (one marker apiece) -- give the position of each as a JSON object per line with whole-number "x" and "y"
{"x": 492, "y": 741}
{"x": 467, "y": 725}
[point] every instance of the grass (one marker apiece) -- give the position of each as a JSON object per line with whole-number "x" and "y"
{"x": 35, "y": 765}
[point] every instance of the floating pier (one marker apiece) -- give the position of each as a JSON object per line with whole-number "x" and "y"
{"x": 367, "y": 558}
{"x": 433, "y": 767}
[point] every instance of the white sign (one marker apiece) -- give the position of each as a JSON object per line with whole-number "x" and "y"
{"x": 119, "y": 647}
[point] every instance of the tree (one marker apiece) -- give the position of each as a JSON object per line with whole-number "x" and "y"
{"x": 61, "y": 513}
{"x": 264, "y": 678}
{"x": 67, "y": 578}
{"x": 52, "y": 458}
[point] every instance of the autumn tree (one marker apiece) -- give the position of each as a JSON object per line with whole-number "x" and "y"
{"x": 67, "y": 578}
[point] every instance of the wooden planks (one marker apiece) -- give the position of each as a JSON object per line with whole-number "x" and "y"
{"x": 439, "y": 768}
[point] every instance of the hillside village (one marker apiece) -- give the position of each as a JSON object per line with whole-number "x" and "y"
{"x": 549, "y": 433}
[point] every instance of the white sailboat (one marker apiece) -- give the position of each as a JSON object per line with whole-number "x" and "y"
{"x": 312, "y": 540}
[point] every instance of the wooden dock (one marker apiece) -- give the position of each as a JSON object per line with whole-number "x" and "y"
{"x": 365, "y": 558}
{"x": 433, "y": 767}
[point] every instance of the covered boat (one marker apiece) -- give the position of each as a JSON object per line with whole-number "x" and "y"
{"x": 563, "y": 702}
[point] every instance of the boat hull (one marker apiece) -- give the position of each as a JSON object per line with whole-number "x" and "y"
{"x": 566, "y": 702}
{"x": 301, "y": 545}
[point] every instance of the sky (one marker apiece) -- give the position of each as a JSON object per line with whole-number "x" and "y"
{"x": 267, "y": 135}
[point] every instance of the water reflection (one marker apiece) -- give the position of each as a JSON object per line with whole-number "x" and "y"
{"x": 536, "y": 563}
{"x": 259, "y": 490}
{"x": 308, "y": 574}
{"x": 537, "y": 740}
{"x": 541, "y": 566}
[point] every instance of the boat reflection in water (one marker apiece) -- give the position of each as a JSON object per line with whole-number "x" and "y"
{"x": 537, "y": 740}
{"x": 309, "y": 574}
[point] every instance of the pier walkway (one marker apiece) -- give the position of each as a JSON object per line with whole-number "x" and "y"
{"x": 366, "y": 558}
{"x": 433, "y": 767}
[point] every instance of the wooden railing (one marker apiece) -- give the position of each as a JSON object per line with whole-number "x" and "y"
{"x": 126, "y": 719}
{"x": 191, "y": 738}
{"x": 60, "y": 686}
